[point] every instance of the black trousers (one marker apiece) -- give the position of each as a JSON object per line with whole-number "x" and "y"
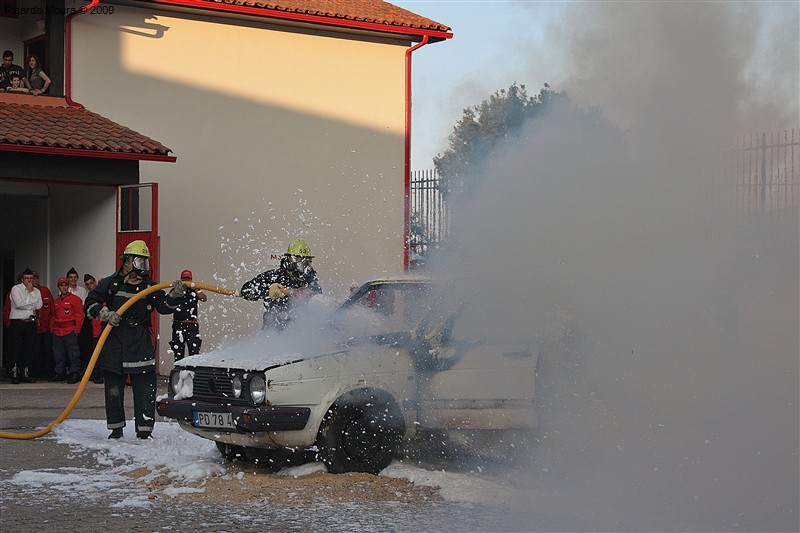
{"x": 66, "y": 354}
{"x": 85, "y": 343}
{"x": 21, "y": 344}
{"x": 43, "y": 355}
{"x": 144, "y": 399}
{"x": 185, "y": 335}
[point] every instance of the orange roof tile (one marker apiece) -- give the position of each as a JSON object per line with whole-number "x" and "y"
{"x": 43, "y": 123}
{"x": 376, "y": 14}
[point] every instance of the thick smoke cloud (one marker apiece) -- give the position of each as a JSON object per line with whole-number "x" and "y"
{"x": 670, "y": 399}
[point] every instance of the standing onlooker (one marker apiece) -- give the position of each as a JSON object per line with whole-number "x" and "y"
{"x": 129, "y": 349}
{"x": 43, "y": 352}
{"x": 25, "y": 301}
{"x": 8, "y": 69}
{"x": 38, "y": 80}
{"x": 66, "y": 322}
{"x": 185, "y": 329}
{"x": 281, "y": 288}
{"x": 84, "y": 337}
{"x": 80, "y": 292}
{"x": 96, "y": 328}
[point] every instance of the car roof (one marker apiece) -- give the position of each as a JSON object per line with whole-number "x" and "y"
{"x": 402, "y": 278}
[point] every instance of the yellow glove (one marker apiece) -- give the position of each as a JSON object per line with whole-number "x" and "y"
{"x": 276, "y": 290}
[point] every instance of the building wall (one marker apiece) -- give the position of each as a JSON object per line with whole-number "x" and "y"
{"x": 74, "y": 219}
{"x": 79, "y": 232}
{"x": 23, "y": 217}
{"x": 279, "y": 134}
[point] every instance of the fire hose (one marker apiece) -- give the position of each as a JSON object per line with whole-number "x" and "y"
{"x": 96, "y": 354}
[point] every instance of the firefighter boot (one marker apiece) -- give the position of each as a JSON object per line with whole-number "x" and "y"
{"x": 15, "y": 375}
{"x": 116, "y": 433}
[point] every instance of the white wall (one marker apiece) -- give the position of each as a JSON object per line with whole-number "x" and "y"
{"x": 82, "y": 231}
{"x": 24, "y": 221}
{"x": 278, "y": 135}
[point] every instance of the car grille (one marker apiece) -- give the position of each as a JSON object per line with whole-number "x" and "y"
{"x": 213, "y": 383}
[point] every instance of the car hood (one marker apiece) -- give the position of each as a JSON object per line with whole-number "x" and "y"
{"x": 262, "y": 351}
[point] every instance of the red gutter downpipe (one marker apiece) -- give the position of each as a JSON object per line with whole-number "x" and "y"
{"x": 68, "y": 52}
{"x": 407, "y": 159}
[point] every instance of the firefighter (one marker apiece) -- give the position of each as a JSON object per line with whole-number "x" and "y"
{"x": 282, "y": 287}
{"x": 185, "y": 329}
{"x": 129, "y": 350}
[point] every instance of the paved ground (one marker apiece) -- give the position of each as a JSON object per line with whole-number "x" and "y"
{"x": 26, "y": 407}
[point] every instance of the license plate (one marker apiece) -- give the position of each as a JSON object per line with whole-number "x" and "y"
{"x": 213, "y": 420}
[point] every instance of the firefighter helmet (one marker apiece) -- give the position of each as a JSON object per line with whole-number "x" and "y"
{"x": 299, "y": 247}
{"x": 137, "y": 247}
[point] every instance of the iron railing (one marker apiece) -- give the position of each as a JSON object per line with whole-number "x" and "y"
{"x": 759, "y": 180}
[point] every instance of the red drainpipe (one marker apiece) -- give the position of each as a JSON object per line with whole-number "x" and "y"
{"x": 68, "y": 52}
{"x": 407, "y": 159}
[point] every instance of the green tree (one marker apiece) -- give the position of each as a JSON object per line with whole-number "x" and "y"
{"x": 483, "y": 129}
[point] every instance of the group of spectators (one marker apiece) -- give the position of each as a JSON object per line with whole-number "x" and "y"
{"x": 31, "y": 80}
{"x": 52, "y": 337}
{"x": 49, "y": 336}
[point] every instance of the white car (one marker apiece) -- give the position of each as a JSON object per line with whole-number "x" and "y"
{"x": 390, "y": 364}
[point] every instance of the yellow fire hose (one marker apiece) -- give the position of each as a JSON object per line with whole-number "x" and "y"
{"x": 101, "y": 341}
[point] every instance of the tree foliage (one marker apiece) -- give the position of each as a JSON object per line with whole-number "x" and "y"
{"x": 486, "y": 127}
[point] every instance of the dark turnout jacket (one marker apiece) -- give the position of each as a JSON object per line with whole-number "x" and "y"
{"x": 277, "y": 310}
{"x": 129, "y": 348}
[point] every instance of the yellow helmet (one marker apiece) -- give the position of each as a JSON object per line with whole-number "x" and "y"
{"x": 137, "y": 247}
{"x": 299, "y": 247}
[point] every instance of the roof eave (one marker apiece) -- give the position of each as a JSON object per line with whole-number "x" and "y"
{"x": 77, "y": 152}
{"x": 413, "y": 33}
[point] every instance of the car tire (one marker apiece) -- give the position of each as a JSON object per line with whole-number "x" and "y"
{"x": 362, "y": 432}
{"x": 231, "y": 451}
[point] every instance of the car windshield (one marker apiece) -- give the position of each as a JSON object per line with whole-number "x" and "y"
{"x": 385, "y": 307}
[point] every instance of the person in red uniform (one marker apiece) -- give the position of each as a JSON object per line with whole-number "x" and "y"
{"x": 43, "y": 351}
{"x": 66, "y": 322}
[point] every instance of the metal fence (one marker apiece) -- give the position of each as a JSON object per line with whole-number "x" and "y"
{"x": 430, "y": 216}
{"x": 759, "y": 178}
{"x": 759, "y": 181}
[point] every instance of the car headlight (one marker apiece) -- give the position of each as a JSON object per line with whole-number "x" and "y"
{"x": 237, "y": 386}
{"x": 174, "y": 378}
{"x": 257, "y": 389}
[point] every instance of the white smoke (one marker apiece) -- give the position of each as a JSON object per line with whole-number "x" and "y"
{"x": 674, "y": 405}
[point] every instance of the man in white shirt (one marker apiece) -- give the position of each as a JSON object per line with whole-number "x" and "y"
{"x": 80, "y": 292}
{"x": 25, "y": 300}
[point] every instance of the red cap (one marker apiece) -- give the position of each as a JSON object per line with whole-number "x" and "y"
{"x": 62, "y": 280}
{"x": 186, "y": 274}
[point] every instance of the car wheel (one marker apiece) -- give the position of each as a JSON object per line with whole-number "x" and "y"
{"x": 362, "y": 432}
{"x": 231, "y": 451}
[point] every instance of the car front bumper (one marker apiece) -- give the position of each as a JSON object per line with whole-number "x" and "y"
{"x": 245, "y": 418}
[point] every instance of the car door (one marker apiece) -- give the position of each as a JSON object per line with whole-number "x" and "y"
{"x": 474, "y": 383}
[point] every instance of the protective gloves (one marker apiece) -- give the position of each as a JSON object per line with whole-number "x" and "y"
{"x": 276, "y": 290}
{"x": 107, "y": 315}
{"x": 178, "y": 290}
